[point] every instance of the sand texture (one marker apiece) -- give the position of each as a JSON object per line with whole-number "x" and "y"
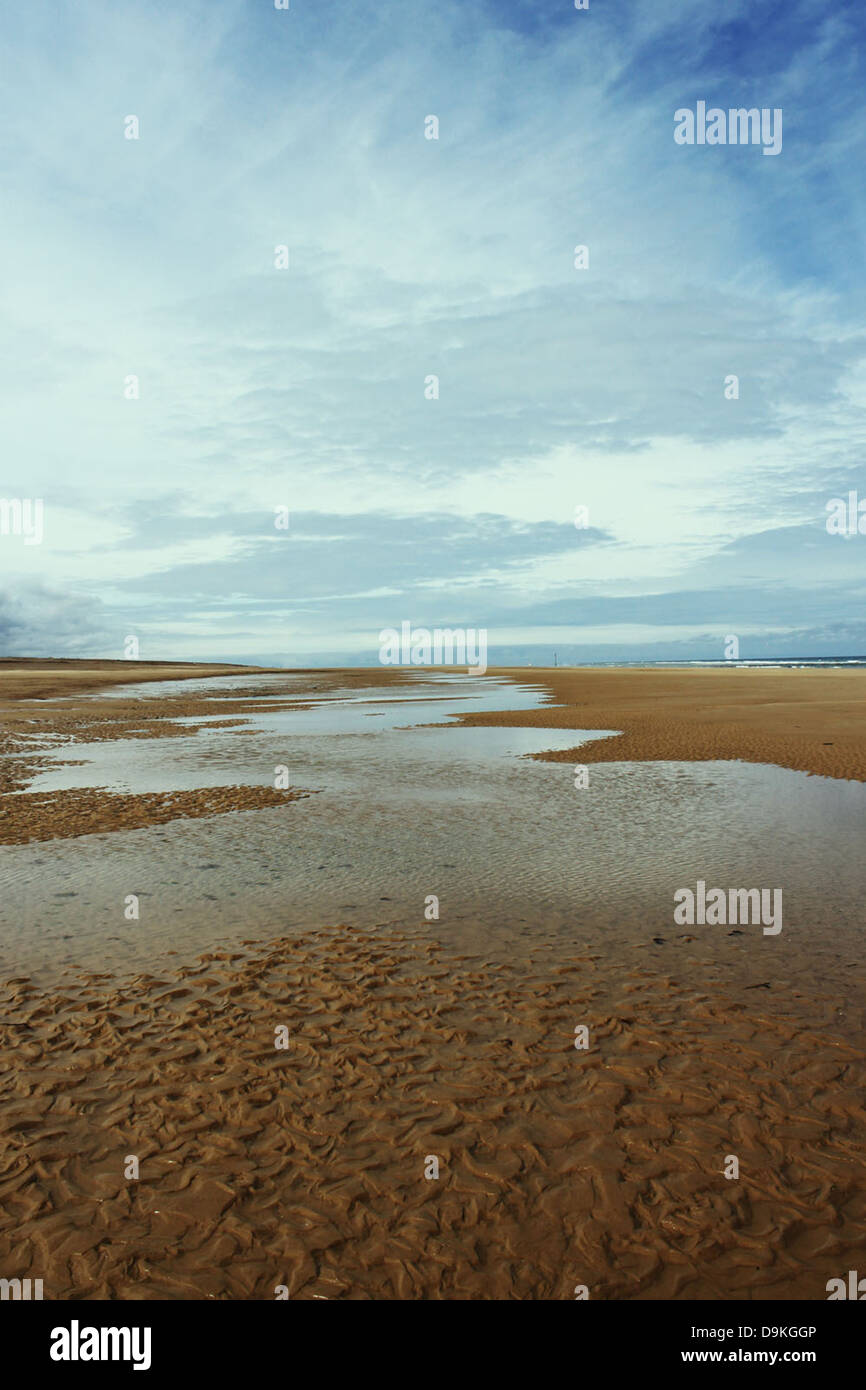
{"x": 23, "y": 678}
{"x": 305, "y": 1167}
{"x": 82, "y": 811}
{"x": 76, "y": 714}
{"x": 808, "y": 720}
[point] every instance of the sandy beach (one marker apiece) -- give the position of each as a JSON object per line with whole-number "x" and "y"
{"x": 308, "y": 1166}
{"x": 305, "y": 1167}
{"x": 809, "y": 720}
{"x": 76, "y": 713}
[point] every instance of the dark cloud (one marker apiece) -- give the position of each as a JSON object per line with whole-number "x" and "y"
{"x": 36, "y": 620}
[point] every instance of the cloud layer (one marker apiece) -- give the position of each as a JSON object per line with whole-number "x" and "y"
{"x": 409, "y": 259}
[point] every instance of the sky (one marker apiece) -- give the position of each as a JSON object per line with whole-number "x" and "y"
{"x": 169, "y": 384}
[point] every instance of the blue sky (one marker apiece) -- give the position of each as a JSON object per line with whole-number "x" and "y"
{"x": 304, "y": 387}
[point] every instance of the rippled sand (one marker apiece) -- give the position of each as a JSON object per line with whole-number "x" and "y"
{"x": 82, "y": 811}
{"x": 305, "y": 1167}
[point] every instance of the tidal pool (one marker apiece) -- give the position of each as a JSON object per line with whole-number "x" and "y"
{"x": 514, "y": 853}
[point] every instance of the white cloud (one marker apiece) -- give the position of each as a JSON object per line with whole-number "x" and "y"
{"x": 411, "y": 257}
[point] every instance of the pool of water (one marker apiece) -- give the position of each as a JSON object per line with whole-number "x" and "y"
{"x": 515, "y": 853}
{"x": 327, "y": 742}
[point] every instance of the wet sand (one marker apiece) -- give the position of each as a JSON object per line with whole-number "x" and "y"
{"x": 305, "y": 1166}
{"x": 74, "y": 712}
{"x": 809, "y": 720}
{"x": 82, "y": 811}
{"x": 31, "y": 678}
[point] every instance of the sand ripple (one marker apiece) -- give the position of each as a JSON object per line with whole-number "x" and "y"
{"x": 89, "y": 811}
{"x": 306, "y": 1166}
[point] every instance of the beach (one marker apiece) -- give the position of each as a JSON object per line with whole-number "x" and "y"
{"x": 809, "y": 720}
{"x": 332, "y": 1089}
